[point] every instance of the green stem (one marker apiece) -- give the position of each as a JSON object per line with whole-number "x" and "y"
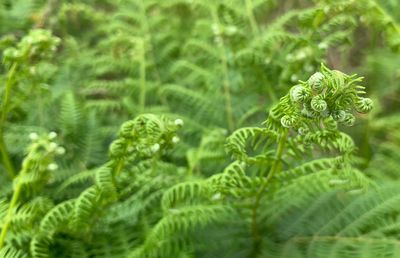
{"x": 119, "y": 166}
{"x": 226, "y": 83}
{"x": 142, "y": 97}
{"x": 116, "y": 168}
{"x": 4, "y": 111}
{"x": 275, "y": 168}
{"x": 227, "y": 94}
{"x": 256, "y": 31}
{"x": 10, "y": 212}
{"x": 252, "y": 19}
{"x": 52, "y": 8}
{"x": 7, "y": 93}
{"x": 147, "y": 35}
{"x": 6, "y": 158}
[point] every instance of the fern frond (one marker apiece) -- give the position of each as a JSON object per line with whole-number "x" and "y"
{"x": 237, "y": 142}
{"x": 10, "y": 252}
{"x": 346, "y": 227}
{"x": 182, "y": 192}
{"x": 165, "y": 238}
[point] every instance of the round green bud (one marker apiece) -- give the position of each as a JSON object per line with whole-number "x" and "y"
{"x": 52, "y": 167}
{"x": 318, "y": 104}
{"x": 126, "y": 129}
{"x": 339, "y": 115}
{"x": 349, "y": 119}
{"x": 11, "y": 54}
{"x": 33, "y": 136}
{"x": 52, "y": 135}
{"x": 315, "y": 81}
{"x": 117, "y": 148}
{"x": 155, "y": 147}
{"x": 287, "y": 121}
{"x": 330, "y": 124}
{"x": 178, "y": 122}
{"x": 298, "y": 93}
{"x": 303, "y": 130}
{"x": 60, "y": 151}
{"x": 364, "y": 105}
{"x": 175, "y": 139}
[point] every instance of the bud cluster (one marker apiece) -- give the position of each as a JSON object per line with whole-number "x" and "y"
{"x": 38, "y": 44}
{"x": 41, "y": 154}
{"x": 145, "y": 136}
{"x": 326, "y": 95}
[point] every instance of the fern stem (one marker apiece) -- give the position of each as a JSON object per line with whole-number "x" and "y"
{"x": 252, "y": 19}
{"x": 257, "y": 240}
{"x": 256, "y": 31}
{"x": 227, "y": 94}
{"x": 7, "y": 93}
{"x": 4, "y": 110}
{"x": 226, "y": 84}
{"x": 142, "y": 97}
{"x": 10, "y": 212}
{"x": 52, "y": 8}
{"x": 347, "y": 239}
{"x": 146, "y": 32}
{"x": 6, "y": 158}
{"x": 118, "y": 167}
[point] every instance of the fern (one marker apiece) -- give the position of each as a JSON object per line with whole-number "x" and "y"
{"x": 159, "y": 107}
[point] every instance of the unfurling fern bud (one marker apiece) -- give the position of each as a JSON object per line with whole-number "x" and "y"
{"x": 327, "y": 96}
{"x": 155, "y": 147}
{"x": 364, "y": 105}
{"x": 52, "y": 135}
{"x": 126, "y": 129}
{"x": 330, "y": 124}
{"x": 178, "y": 122}
{"x": 33, "y": 136}
{"x": 38, "y": 44}
{"x": 175, "y": 139}
{"x": 349, "y": 119}
{"x": 303, "y": 130}
{"x": 318, "y": 104}
{"x": 11, "y": 54}
{"x": 298, "y": 93}
{"x": 144, "y": 136}
{"x": 118, "y": 148}
{"x": 60, "y": 150}
{"x": 40, "y": 161}
{"x": 288, "y": 121}
{"x": 52, "y": 167}
{"x": 315, "y": 81}
{"x": 339, "y": 115}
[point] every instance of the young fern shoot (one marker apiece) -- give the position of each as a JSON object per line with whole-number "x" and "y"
{"x": 255, "y": 189}
{"x": 36, "y": 171}
{"x": 306, "y": 117}
{"x": 146, "y": 137}
{"x": 21, "y": 61}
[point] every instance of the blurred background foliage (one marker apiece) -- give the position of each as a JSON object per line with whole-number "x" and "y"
{"x": 217, "y": 65}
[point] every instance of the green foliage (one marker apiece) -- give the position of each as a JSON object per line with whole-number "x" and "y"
{"x": 199, "y": 128}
